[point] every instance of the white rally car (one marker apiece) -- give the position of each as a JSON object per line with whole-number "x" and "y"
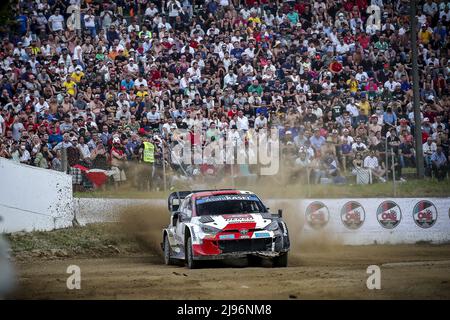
{"x": 219, "y": 224}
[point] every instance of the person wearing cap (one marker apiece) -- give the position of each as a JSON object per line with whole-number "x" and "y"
{"x": 132, "y": 67}
{"x": 77, "y": 75}
{"x": 429, "y": 148}
{"x": 426, "y": 126}
{"x": 425, "y": 35}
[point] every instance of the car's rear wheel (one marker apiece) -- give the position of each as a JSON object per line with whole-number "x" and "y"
{"x": 168, "y": 260}
{"x": 280, "y": 261}
{"x": 190, "y": 262}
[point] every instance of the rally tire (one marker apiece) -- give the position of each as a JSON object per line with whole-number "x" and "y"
{"x": 190, "y": 262}
{"x": 281, "y": 261}
{"x": 254, "y": 261}
{"x": 168, "y": 260}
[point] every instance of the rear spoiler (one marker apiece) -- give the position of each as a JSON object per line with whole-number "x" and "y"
{"x": 175, "y": 198}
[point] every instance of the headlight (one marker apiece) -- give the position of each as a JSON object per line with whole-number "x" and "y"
{"x": 272, "y": 226}
{"x": 209, "y": 229}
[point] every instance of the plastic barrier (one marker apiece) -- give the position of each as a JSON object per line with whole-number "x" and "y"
{"x": 379, "y": 220}
{"x": 33, "y": 198}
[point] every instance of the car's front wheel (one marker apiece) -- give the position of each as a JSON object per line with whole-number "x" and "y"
{"x": 254, "y": 261}
{"x": 280, "y": 261}
{"x": 168, "y": 260}
{"x": 191, "y": 263}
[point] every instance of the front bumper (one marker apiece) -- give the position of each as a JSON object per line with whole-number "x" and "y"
{"x": 211, "y": 249}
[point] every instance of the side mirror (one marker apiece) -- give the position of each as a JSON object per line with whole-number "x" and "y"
{"x": 280, "y": 213}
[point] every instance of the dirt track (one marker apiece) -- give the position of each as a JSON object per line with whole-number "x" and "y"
{"x": 327, "y": 272}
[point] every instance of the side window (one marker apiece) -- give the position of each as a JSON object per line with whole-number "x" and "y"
{"x": 188, "y": 210}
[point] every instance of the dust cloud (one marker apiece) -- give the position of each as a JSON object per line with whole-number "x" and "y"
{"x": 145, "y": 223}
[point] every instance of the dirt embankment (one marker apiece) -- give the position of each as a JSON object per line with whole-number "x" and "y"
{"x": 138, "y": 232}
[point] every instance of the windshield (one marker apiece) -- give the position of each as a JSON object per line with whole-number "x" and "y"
{"x": 216, "y": 205}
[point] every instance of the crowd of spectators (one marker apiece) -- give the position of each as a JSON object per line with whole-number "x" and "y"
{"x": 110, "y": 83}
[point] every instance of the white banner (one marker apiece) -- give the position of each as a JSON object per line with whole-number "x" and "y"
{"x": 379, "y": 220}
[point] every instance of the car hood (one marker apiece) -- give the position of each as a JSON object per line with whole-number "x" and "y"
{"x": 236, "y": 221}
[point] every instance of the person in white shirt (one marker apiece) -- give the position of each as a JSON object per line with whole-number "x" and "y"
{"x": 430, "y": 8}
{"x": 247, "y": 68}
{"x": 352, "y": 109}
{"x": 391, "y": 84}
{"x": 134, "y": 27}
{"x": 195, "y": 72}
{"x": 213, "y": 30}
{"x": 123, "y": 112}
{"x": 260, "y": 122}
{"x": 234, "y": 136}
{"x": 250, "y": 51}
{"x": 372, "y": 28}
{"x": 89, "y": 23}
{"x": 56, "y": 21}
{"x": 122, "y": 100}
{"x": 132, "y": 67}
{"x": 141, "y": 81}
{"x": 429, "y": 148}
{"x": 154, "y": 117}
{"x": 444, "y": 16}
{"x": 361, "y": 76}
{"x": 188, "y": 120}
{"x": 78, "y": 53}
{"x": 358, "y": 146}
{"x": 25, "y": 156}
{"x": 230, "y": 79}
{"x": 371, "y": 163}
{"x": 173, "y": 7}
{"x": 39, "y": 107}
{"x": 151, "y": 11}
{"x": 84, "y": 150}
{"x": 184, "y": 81}
{"x": 242, "y": 122}
{"x": 302, "y": 86}
{"x": 2, "y": 125}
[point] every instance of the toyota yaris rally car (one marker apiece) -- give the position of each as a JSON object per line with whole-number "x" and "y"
{"x": 220, "y": 224}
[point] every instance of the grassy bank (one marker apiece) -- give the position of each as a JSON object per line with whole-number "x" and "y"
{"x": 94, "y": 240}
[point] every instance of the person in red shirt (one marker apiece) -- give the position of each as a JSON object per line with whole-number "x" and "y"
{"x": 232, "y": 112}
{"x": 348, "y": 5}
{"x": 363, "y": 39}
{"x": 362, "y": 5}
{"x": 300, "y": 7}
